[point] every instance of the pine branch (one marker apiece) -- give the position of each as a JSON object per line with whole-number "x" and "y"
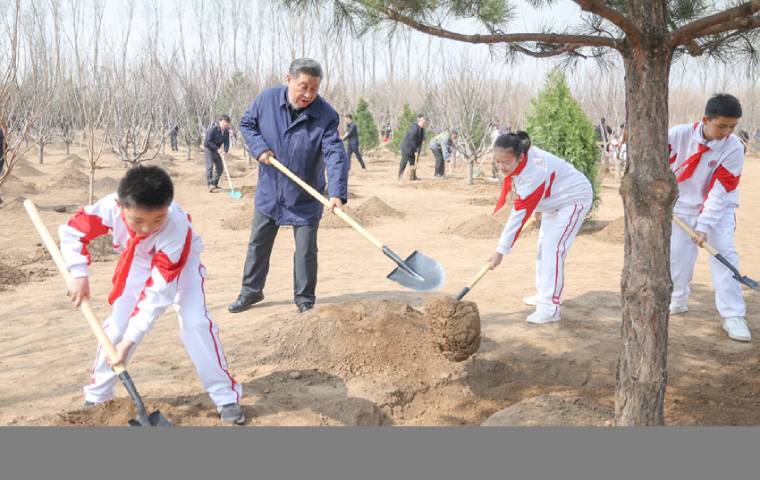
{"x": 730, "y": 19}
{"x": 616, "y": 17}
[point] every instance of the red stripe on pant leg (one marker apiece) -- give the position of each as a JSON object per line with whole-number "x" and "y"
{"x": 556, "y": 259}
{"x": 564, "y": 253}
{"x": 213, "y": 339}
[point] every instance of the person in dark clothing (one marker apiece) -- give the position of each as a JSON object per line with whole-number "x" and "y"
{"x": 2, "y": 150}
{"x": 352, "y": 135}
{"x": 217, "y": 135}
{"x": 295, "y": 125}
{"x": 411, "y": 145}
{"x": 173, "y": 134}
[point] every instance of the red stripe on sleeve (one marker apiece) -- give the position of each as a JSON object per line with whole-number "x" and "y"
{"x": 726, "y": 178}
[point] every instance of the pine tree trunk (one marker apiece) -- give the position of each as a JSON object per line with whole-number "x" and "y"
{"x": 649, "y": 191}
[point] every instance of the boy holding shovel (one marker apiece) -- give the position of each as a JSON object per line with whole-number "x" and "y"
{"x": 707, "y": 159}
{"x": 159, "y": 265}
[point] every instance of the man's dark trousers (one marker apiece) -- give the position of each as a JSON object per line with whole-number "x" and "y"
{"x": 263, "y": 232}
{"x": 355, "y": 149}
{"x": 213, "y": 162}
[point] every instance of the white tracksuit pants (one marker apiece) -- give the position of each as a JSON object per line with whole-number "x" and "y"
{"x": 556, "y": 236}
{"x": 199, "y": 334}
{"x": 683, "y": 255}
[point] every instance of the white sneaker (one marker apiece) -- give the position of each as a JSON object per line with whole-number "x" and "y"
{"x": 540, "y": 318}
{"x": 678, "y": 307}
{"x": 737, "y": 329}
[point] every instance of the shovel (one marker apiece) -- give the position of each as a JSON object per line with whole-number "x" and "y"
{"x": 711, "y": 250}
{"x": 417, "y": 272}
{"x": 155, "y": 419}
{"x": 234, "y": 194}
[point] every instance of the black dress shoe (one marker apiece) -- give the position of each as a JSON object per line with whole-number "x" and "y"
{"x": 305, "y": 307}
{"x": 244, "y": 302}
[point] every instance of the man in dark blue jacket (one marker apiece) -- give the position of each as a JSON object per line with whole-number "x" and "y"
{"x": 352, "y": 135}
{"x": 411, "y": 147}
{"x": 300, "y": 129}
{"x": 217, "y": 135}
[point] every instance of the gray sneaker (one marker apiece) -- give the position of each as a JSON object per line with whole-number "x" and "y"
{"x": 232, "y": 413}
{"x": 88, "y": 404}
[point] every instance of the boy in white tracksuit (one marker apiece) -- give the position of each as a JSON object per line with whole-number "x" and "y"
{"x": 543, "y": 183}
{"x": 707, "y": 159}
{"x": 159, "y": 266}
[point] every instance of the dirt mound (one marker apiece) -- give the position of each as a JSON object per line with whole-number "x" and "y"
{"x": 454, "y": 327}
{"x": 108, "y": 184}
{"x": 552, "y": 410}
{"x": 11, "y": 276}
{"x": 376, "y": 208}
{"x": 241, "y": 219}
{"x": 15, "y": 204}
{"x": 330, "y": 220}
{"x": 353, "y": 196}
{"x": 614, "y": 232}
{"x": 13, "y": 184}
{"x": 74, "y": 161}
{"x": 101, "y": 249}
{"x": 25, "y": 169}
{"x": 119, "y": 411}
{"x": 71, "y": 180}
{"x": 381, "y": 348}
{"x": 247, "y": 190}
{"x": 481, "y": 226}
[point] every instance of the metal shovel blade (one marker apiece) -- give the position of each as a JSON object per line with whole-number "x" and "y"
{"x": 155, "y": 419}
{"x": 748, "y": 282}
{"x": 430, "y": 270}
{"x": 235, "y": 194}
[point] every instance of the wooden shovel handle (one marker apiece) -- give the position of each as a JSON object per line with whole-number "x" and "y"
{"x": 85, "y": 306}
{"x": 481, "y": 273}
{"x": 690, "y": 231}
{"x": 340, "y": 213}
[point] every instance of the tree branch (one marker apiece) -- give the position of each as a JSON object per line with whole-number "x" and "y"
{"x": 560, "y": 40}
{"x": 618, "y": 19}
{"x": 718, "y": 23}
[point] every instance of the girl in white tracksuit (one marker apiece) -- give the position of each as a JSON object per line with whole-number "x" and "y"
{"x": 547, "y": 184}
{"x": 159, "y": 266}
{"x": 707, "y": 160}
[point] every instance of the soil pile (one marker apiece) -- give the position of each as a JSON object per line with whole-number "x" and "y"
{"x": 106, "y": 184}
{"x": 241, "y": 219}
{"x": 376, "y": 208}
{"x": 552, "y": 410}
{"x": 15, "y": 185}
{"x": 454, "y": 327}
{"x": 614, "y": 232}
{"x": 74, "y": 161}
{"x": 25, "y": 169}
{"x": 118, "y": 413}
{"x": 101, "y": 249}
{"x": 330, "y": 220}
{"x": 481, "y": 226}
{"x": 384, "y": 344}
{"x": 11, "y": 276}
{"x": 71, "y": 180}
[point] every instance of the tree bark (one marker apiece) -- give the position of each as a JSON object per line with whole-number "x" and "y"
{"x": 91, "y": 189}
{"x": 649, "y": 192}
{"x": 40, "y": 152}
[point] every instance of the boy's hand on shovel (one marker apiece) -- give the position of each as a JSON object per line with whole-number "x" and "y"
{"x": 122, "y": 352}
{"x": 700, "y": 238}
{"x": 79, "y": 290}
{"x": 496, "y": 260}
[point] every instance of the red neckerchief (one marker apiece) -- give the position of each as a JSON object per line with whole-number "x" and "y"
{"x": 124, "y": 265}
{"x": 507, "y": 187}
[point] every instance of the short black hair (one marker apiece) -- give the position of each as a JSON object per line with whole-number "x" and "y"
{"x": 723, "y": 105}
{"x": 420, "y": 115}
{"x": 146, "y": 187}
{"x": 226, "y": 118}
{"x": 519, "y": 142}
{"x": 348, "y": 115}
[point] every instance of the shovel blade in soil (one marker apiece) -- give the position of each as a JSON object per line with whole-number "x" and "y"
{"x": 432, "y": 273}
{"x": 155, "y": 419}
{"x": 235, "y": 194}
